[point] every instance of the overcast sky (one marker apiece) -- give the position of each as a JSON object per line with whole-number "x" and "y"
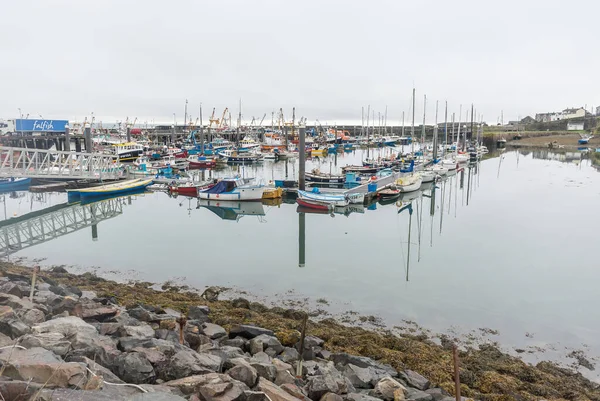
{"x": 116, "y": 58}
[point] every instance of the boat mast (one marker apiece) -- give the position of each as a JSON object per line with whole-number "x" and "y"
{"x": 403, "y": 124}
{"x": 435, "y": 132}
{"x": 201, "y": 131}
{"x": 239, "y": 123}
{"x": 472, "y": 128}
{"x": 412, "y": 128}
{"x": 385, "y": 122}
{"x": 459, "y": 124}
{"x": 368, "y": 134}
{"x": 293, "y": 122}
{"x": 423, "y": 128}
{"x": 445, "y": 129}
{"x": 362, "y": 121}
{"x": 185, "y": 114}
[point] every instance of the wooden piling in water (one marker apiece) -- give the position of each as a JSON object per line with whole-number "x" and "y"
{"x": 302, "y": 157}
{"x": 301, "y": 350}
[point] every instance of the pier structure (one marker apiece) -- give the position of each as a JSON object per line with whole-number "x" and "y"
{"x": 40, "y": 163}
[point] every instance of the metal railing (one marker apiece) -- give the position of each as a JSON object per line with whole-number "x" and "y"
{"x": 41, "y": 163}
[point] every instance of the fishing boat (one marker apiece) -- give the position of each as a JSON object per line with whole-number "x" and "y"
{"x": 389, "y": 193}
{"x": 317, "y": 176}
{"x": 233, "y": 189}
{"x": 428, "y": 176}
{"x": 232, "y": 156}
{"x": 356, "y": 197}
{"x": 362, "y": 169}
{"x": 117, "y": 188}
{"x": 317, "y": 200}
{"x": 14, "y": 184}
{"x": 409, "y": 183}
{"x": 584, "y": 139}
{"x": 198, "y": 162}
{"x": 191, "y": 189}
{"x": 128, "y": 151}
{"x": 272, "y": 193}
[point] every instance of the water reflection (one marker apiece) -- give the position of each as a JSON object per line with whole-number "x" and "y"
{"x": 46, "y": 224}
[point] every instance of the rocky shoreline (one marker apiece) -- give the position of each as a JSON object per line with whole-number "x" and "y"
{"x": 86, "y": 338}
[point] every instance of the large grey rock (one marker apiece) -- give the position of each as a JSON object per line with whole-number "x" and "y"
{"x": 199, "y": 312}
{"x": 143, "y": 330}
{"x": 41, "y": 366}
{"x": 413, "y": 379}
{"x": 211, "y": 386}
{"x": 47, "y": 298}
{"x": 134, "y": 367}
{"x": 143, "y": 314}
{"x": 5, "y": 340}
{"x": 294, "y": 391}
{"x": 360, "y": 377}
{"x": 437, "y": 393}
{"x": 94, "y": 346}
{"x": 187, "y": 362}
{"x": 167, "y": 347}
{"x": 67, "y": 326}
{"x": 331, "y": 397}
{"x": 154, "y": 356}
{"x": 64, "y": 394}
{"x": 328, "y": 369}
{"x": 262, "y": 342}
{"x": 386, "y": 389}
{"x": 239, "y": 342}
{"x": 156, "y": 397}
{"x": 289, "y": 355}
{"x": 412, "y": 394}
{"x": 364, "y": 362}
{"x": 261, "y": 357}
{"x": 255, "y": 396}
{"x": 54, "y": 342}
{"x": 212, "y": 331}
{"x": 10, "y": 324}
{"x": 274, "y": 392}
{"x": 15, "y": 302}
{"x": 265, "y": 370}
{"x": 99, "y": 313}
{"x": 225, "y": 353}
{"x": 32, "y": 317}
{"x": 248, "y": 331}
{"x": 12, "y": 289}
{"x": 95, "y": 367}
{"x": 245, "y": 374}
{"x": 320, "y": 385}
{"x": 360, "y": 397}
{"x": 18, "y": 390}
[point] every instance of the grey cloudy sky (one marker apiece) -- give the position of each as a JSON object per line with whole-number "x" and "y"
{"x": 328, "y": 58}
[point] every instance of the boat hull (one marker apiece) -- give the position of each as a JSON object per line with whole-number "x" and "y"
{"x": 18, "y": 184}
{"x": 314, "y": 204}
{"x": 337, "y": 179}
{"x": 202, "y": 164}
{"x": 237, "y": 194}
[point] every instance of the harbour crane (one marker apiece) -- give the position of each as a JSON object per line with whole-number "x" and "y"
{"x": 212, "y": 120}
{"x": 220, "y": 123}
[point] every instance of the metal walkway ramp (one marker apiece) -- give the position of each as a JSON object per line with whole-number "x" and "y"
{"x": 41, "y": 163}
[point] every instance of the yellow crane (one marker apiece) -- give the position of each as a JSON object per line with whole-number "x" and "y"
{"x": 222, "y": 123}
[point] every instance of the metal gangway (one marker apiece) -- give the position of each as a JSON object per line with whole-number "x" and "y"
{"x": 56, "y": 221}
{"x": 41, "y": 163}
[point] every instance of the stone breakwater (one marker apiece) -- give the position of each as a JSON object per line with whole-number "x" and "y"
{"x": 85, "y": 338}
{"x": 73, "y": 344}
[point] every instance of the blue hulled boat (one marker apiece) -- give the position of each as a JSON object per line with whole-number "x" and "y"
{"x": 14, "y": 184}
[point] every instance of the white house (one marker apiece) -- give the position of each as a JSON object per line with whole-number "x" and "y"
{"x": 574, "y": 126}
{"x": 573, "y": 113}
{"x": 598, "y": 111}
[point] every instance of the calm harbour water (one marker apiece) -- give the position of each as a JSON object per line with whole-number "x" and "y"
{"x": 511, "y": 249}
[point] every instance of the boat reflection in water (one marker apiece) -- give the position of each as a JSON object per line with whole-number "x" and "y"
{"x": 232, "y": 210}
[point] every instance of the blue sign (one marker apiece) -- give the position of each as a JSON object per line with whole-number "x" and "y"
{"x": 40, "y": 125}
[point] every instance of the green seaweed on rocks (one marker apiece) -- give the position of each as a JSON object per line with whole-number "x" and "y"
{"x": 486, "y": 373}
